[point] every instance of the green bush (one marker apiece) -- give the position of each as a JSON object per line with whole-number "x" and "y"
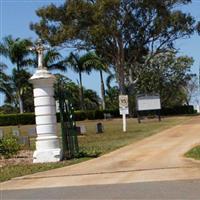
{"x": 99, "y": 114}
{"x": 80, "y": 115}
{"x": 15, "y": 119}
{"x": 114, "y": 113}
{"x": 90, "y": 114}
{"x": 178, "y": 110}
{"x": 9, "y": 146}
{"x": 88, "y": 152}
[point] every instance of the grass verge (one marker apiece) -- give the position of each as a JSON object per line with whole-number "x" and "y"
{"x": 194, "y": 153}
{"x": 11, "y": 171}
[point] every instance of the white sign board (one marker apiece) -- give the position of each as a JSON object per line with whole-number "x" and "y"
{"x": 148, "y": 103}
{"x": 123, "y": 111}
{"x": 123, "y": 101}
{"x": 123, "y": 104}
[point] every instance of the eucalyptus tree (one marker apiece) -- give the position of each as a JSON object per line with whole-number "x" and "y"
{"x": 121, "y": 31}
{"x": 17, "y": 51}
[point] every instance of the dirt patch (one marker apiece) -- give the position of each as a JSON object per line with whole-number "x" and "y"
{"x": 24, "y": 157}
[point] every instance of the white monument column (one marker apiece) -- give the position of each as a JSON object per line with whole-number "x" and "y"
{"x": 47, "y": 143}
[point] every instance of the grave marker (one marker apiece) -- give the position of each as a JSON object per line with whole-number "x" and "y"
{"x": 15, "y": 132}
{"x": 1, "y": 133}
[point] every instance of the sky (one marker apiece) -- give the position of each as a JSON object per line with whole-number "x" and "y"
{"x": 16, "y": 15}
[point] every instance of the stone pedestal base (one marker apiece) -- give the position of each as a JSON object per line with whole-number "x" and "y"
{"x": 49, "y": 155}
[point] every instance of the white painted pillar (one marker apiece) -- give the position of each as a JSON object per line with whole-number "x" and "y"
{"x": 47, "y": 143}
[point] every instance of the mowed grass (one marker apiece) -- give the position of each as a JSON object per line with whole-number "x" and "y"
{"x": 91, "y": 143}
{"x": 11, "y": 171}
{"x": 113, "y": 136}
{"x": 194, "y": 153}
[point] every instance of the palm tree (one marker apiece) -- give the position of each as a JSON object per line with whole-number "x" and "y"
{"x": 17, "y": 51}
{"x": 5, "y": 87}
{"x": 96, "y": 63}
{"x": 77, "y": 64}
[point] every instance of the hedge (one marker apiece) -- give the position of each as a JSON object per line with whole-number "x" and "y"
{"x": 17, "y": 119}
{"x": 178, "y": 110}
{"x": 29, "y": 118}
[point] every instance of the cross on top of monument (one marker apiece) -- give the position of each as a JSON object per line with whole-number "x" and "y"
{"x": 40, "y": 48}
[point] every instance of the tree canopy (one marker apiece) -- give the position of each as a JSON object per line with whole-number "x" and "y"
{"x": 122, "y": 31}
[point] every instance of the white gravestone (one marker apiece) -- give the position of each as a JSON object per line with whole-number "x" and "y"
{"x": 82, "y": 129}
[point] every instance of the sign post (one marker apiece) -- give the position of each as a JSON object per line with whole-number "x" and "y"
{"x": 123, "y": 109}
{"x": 148, "y": 103}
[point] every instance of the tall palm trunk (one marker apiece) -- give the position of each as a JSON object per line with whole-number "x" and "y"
{"x": 81, "y": 92}
{"x": 21, "y": 107}
{"x": 102, "y": 90}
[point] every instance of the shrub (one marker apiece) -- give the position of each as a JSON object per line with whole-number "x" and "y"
{"x": 88, "y": 152}
{"x": 15, "y": 119}
{"x": 90, "y": 114}
{"x": 99, "y": 114}
{"x": 178, "y": 110}
{"x": 80, "y": 115}
{"x": 114, "y": 113}
{"x": 9, "y": 146}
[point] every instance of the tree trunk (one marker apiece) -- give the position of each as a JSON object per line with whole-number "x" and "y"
{"x": 121, "y": 79}
{"x": 21, "y": 107}
{"x": 81, "y": 92}
{"x": 120, "y": 66}
{"x": 102, "y": 91}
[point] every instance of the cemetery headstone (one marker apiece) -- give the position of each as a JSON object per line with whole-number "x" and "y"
{"x": 15, "y": 132}
{"x": 78, "y": 130}
{"x": 82, "y": 129}
{"x": 32, "y": 132}
{"x": 107, "y": 116}
{"x": 1, "y": 133}
{"x": 24, "y": 140}
{"x": 99, "y": 128}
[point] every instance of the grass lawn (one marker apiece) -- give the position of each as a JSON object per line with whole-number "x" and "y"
{"x": 92, "y": 143}
{"x": 194, "y": 153}
{"x": 11, "y": 171}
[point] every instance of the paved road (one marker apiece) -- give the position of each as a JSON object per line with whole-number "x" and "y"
{"x": 189, "y": 190}
{"x": 156, "y": 158}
